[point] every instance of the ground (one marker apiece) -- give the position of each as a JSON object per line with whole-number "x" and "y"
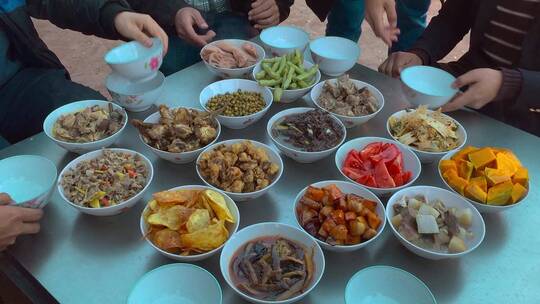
{"x": 83, "y": 55}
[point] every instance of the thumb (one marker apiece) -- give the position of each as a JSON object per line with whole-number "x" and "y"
{"x": 199, "y": 20}
{"x": 136, "y": 33}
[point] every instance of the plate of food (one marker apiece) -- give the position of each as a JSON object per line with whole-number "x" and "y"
{"x": 354, "y": 102}
{"x": 306, "y": 134}
{"x": 492, "y": 179}
{"x": 178, "y": 134}
{"x": 86, "y": 125}
{"x": 341, "y": 216}
{"x": 189, "y": 223}
{"x": 232, "y": 58}
{"x": 430, "y": 134}
{"x": 435, "y": 223}
{"x": 105, "y": 182}
{"x": 243, "y": 169}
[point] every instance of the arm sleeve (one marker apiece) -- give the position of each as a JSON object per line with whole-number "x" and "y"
{"x": 446, "y": 29}
{"x": 527, "y": 97}
{"x": 284, "y": 9}
{"x": 94, "y": 17}
{"x": 163, "y": 11}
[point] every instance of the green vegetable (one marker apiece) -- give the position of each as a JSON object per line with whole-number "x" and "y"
{"x": 277, "y": 94}
{"x": 312, "y": 71}
{"x": 266, "y": 67}
{"x": 260, "y": 75}
{"x": 287, "y": 82}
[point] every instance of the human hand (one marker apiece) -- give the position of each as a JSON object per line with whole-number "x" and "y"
{"x": 16, "y": 221}
{"x": 384, "y": 28}
{"x": 484, "y": 84}
{"x": 140, "y": 27}
{"x": 5, "y": 199}
{"x": 265, "y": 13}
{"x": 186, "y": 20}
{"x": 397, "y": 61}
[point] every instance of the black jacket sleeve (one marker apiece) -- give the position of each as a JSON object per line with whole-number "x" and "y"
{"x": 163, "y": 11}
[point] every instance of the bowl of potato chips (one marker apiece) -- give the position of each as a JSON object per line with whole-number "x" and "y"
{"x": 189, "y": 223}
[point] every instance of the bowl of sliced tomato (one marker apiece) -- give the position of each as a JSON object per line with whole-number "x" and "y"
{"x": 379, "y": 164}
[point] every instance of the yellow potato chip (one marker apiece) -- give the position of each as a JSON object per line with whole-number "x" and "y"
{"x": 218, "y": 204}
{"x": 198, "y": 220}
{"x": 206, "y": 239}
{"x": 176, "y": 197}
{"x": 153, "y": 204}
{"x": 167, "y": 239}
{"x": 173, "y": 217}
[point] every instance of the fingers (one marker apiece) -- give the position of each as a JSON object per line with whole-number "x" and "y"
{"x": 263, "y": 15}
{"x": 270, "y": 21}
{"x": 259, "y": 7}
{"x": 155, "y": 30}
{"x": 390, "y": 8}
{"x": 30, "y": 228}
{"x": 465, "y": 79}
{"x": 208, "y": 36}
{"x": 199, "y": 20}
{"x": 189, "y": 34}
{"x": 386, "y": 67}
{"x": 28, "y": 214}
{"x": 459, "y": 101}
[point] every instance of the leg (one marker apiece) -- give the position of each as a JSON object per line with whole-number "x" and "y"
{"x": 180, "y": 55}
{"x": 411, "y": 21}
{"x": 31, "y": 95}
{"x": 231, "y": 26}
{"x": 345, "y": 19}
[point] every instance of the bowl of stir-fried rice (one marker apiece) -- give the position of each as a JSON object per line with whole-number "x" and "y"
{"x": 430, "y": 134}
{"x": 105, "y": 182}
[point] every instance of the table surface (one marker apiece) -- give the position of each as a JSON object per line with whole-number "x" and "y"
{"x": 84, "y": 259}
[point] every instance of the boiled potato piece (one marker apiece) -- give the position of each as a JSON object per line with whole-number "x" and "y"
{"x": 456, "y": 245}
{"x": 396, "y": 220}
{"x": 464, "y": 217}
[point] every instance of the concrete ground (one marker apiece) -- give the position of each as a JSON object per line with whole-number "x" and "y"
{"x": 82, "y": 55}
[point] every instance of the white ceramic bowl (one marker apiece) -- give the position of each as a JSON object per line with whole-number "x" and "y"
{"x": 410, "y": 161}
{"x": 236, "y": 72}
{"x": 250, "y": 233}
{"x": 483, "y": 208}
{"x": 177, "y": 157}
{"x": 231, "y": 227}
{"x": 424, "y": 156}
{"x": 241, "y": 197}
{"x": 425, "y": 85}
{"x": 289, "y": 96}
{"x": 176, "y": 283}
{"x": 346, "y": 188}
{"x": 231, "y": 86}
{"x": 350, "y": 121}
{"x": 73, "y": 107}
{"x": 134, "y": 61}
{"x": 450, "y": 200}
{"x": 334, "y": 55}
{"x": 284, "y": 39}
{"x": 135, "y": 96}
{"x": 295, "y": 153}
{"x": 111, "y": 210}
{"x": 28, "y": 179}
{"x": 386, "y": 284}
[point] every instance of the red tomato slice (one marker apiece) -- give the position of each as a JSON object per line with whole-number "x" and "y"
{"x": 370, "y": 150}
{"x": 388, "y": 153}
{"x": 407, "y": 175}
{"x": 396, "y": 166}
{"x": 398, "y": 179}
{"x": 382, "y": 177}
{"x": 353, "y": 160}
{"x": 370, "y": 181}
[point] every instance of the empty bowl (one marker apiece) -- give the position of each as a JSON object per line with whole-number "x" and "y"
{"x": 231, "y": 227}
{"x": 28, "y": 179}
{"x": 50, "y": 120}
{"x": 293, "y": 152}
{"x": 234, "y": 72}
{"x": 386, "y": 285}
{"x": 176, "y": 283}
{"x": 134, "y": 61}
{"x": 450, "y": 200}
{"x": 334, "y": 55}
{"x": 349, "y": 121}
{"x": 425, "y": 85}
{"x": 135, "y": 96}
{"x": 284, "y": 39}
{"x": 262, "y": 230}
{"x": 231, "y": 86}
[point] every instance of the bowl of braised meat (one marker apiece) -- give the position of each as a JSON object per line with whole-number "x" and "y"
{"x": 85, "y": 126}
{"x": 180, "y": 134}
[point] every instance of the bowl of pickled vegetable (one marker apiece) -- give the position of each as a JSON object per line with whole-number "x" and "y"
{"x": 238, "y": 102}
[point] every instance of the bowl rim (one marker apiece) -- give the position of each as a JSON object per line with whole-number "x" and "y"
{"x": 246, "y": 117}
{"x": 412, "y": 276}
{"x": 181, "y": 153}
{"x": 262, "y": 36}
{"x": 287, "y": 226}
{"x": 426, "y": 67}
{"x": 343, "y": 247}
{"x": 229, "y": 142}
{"x": 199, "y": 256}
{"x": 433, "y": 252}
{"x": 300, "y": 111}
{"x": 345, "y": 40}
{"x": 92, "y": 102}
{"x": 175, "y": 265}
{"x": 159, "y": 75}
{"x": 402, "y": 147}
{"x": 318, "y": 77}
{"x": 356, "y": 81}
{"x": 459, "y": 125}
{"x": 257, "y": 46}
{"x": 78, "y": 159}
{"x": 49, "y": 162}
{"x": 156, "y": 46}
{"x": 476, "y": 204}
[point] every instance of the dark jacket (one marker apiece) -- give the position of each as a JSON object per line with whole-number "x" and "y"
{"x": 321, "y": 8}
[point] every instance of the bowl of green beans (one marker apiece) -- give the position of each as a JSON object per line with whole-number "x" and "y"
{"x": 289, "y": 77}
{"x": 240, "y": 102}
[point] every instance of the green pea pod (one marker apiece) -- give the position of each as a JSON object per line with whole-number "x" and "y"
{"x": 282, "y": 64}
{"x": 287, "y": 82}
{"x": 302, "y": 84}
{"x": 270, "y": 82}
{"x": 297, "y": 69}
{"x": 269, "y": 71}
{"x": 293, "y": 86}
{"x": 275, "y": 66}
{"x": 277, "y": 94}
{"x": 260, "y": 75}
{"x": 298, "y": 58}
{"x": 312, "y": 71}
{"x": 271, "y": 60}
